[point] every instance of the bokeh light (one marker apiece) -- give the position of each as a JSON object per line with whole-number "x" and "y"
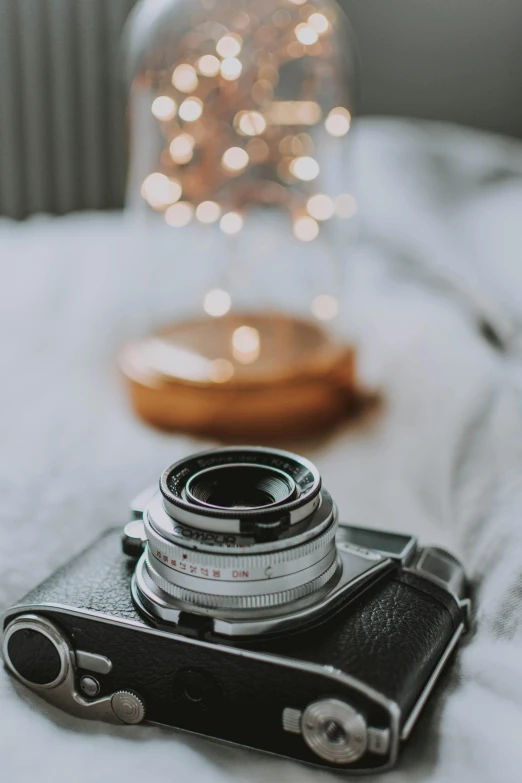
{"x": 306, "y": 229}
{"x": 217, "y": 302}
{"x": 179, "y": 215}
{"x": 338, "y": 121}
{"x": 164, "y": 108}
{"x": 208, "y": 212}
{"x": 185, "y": 78}
{"x": 304, "y": 168}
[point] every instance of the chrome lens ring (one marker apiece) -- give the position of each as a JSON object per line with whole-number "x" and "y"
{"x": 262, "y": 565}
{"x": 272, "y": 516}
{"x": 187, "y": 561}
{"x": 222, "y": 603}
{"x": 158, "y": 522}
{"x": 239, "y": 529}
{"x": 241, "y": 586}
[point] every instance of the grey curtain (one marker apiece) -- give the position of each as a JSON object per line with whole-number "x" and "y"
{"x": 62, "y": 103}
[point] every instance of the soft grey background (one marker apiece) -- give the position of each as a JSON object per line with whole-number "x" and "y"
{"x": 62, "y": 133}
{"x": 443, "y": 459}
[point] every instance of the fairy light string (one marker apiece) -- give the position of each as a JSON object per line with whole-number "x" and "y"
{"x": 230, "y": 142}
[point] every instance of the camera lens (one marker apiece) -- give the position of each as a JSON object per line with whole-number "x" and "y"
{"x": 239, "y": 490}
{"x": 240, "y": 487}
{"x": 235, "y": 530}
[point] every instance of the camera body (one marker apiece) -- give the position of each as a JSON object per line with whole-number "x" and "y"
{"x": 338, "y": 681}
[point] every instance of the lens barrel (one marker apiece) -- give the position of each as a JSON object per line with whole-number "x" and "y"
{"x": 237, "y": 529}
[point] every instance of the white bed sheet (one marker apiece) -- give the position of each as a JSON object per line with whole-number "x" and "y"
{"x": 443, "y": 459}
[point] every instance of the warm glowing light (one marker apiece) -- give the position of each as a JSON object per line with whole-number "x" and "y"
{"x": 319, "y": 22}
{"x": 179, "y": 215}
{"x": 221, "y": 370}
{"x": 159, "y": 190}
{"x": 182, "y": 148}
{"x": 231, "y": 223}
{"x": 235, "y": 159}
{"x": 306, "y": 229}
{"x": 245, "y": 344}
{"x": 231, "y": 69}
{"x": 191, "y": 109}
{"x": 293, "y": 113}
{"x": 208, "y": 212}
{"x": 251, "y": 123}
{"x": 217, "y": 302}
{"x": 208, "y": 65}
{"x": 325, "y": 307}
{"x": 163, "y": 107}
{"x": 345, "y": 205}
{"x": 304, "y": 168}
{"x": 320, "y": 206}
{"x": 306, "y": 34}
{"x": 298, "y": 2}
{"x": 230, "y": 45}
{"x": 338, "y": 121}
{"x": 185, "y": 78}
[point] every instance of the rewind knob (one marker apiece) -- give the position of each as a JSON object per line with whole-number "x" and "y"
{"x": 128, "y": 707}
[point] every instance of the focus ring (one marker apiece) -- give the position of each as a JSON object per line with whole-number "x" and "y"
{"x": 209, "y": 601}
{"x": 265, "y": 560}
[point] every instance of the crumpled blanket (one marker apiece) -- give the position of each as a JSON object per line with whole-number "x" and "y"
{"x": 433, "y": 302}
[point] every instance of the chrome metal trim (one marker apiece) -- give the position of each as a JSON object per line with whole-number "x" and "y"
{"x": 329, "y": 672}
{"x": 235, "y": 623}
{"x": 353, "y": 740}
{"x": 280, "y": 562}
{"x": 219, "y": 542}
{"x": 455, "y": 581}
{"x": 378, "y": 741}
{"x": 40, "y": 625}
{"x": 404, "y": 556}
{"x": 231, "y": 525}
{"x": 173, "y": 582}
{"x": 93, "y": 662}
{"x": 223, "y": 519}
{"x": 291, "y": 720}
{"x": 62, "y": 693}
{"x": 89, "y": 686}
{"x": 421, "y": 701}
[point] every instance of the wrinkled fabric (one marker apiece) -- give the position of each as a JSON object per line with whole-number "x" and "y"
{"x": 439, "y": 217}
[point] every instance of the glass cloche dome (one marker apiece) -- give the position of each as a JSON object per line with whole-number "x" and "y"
{"x": 239, "y": 113}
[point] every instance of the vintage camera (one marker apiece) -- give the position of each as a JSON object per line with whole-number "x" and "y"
{"x": 240, "y": 610}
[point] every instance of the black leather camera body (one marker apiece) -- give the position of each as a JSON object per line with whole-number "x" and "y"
{"x": 327, "y": 658}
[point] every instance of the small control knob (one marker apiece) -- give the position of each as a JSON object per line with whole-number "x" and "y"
{"x": 35, "y": 650}
{"x": 133, "y": 539}
{"x": 89, "y": 686}
{"x": 334, "y": 731}
{"x": 128, "y": 707}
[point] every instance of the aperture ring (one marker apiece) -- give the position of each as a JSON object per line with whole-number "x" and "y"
{"x": 206, "y": 600}
{"x": 183, "y": 559}
{"x": 236, "y": 583}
